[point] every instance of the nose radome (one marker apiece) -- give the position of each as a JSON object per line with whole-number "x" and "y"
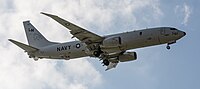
{"x": 184, "y": 33}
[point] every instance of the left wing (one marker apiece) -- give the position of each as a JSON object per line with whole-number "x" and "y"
{"x": 78, "y": 32}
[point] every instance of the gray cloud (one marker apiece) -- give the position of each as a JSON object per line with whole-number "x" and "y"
{"x": 187, "y": 12}
{"x": 184, "y": 10}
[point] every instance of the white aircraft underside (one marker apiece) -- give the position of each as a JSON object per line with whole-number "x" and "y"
{"x": 111, "y": 49}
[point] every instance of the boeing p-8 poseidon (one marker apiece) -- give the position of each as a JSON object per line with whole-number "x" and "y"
{"x": 111, "y": 49}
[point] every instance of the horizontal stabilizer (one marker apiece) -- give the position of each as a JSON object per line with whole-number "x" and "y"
{"x": 25, "y": 47}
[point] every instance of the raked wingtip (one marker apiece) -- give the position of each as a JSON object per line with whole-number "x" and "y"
{"x": 50, "y": 15}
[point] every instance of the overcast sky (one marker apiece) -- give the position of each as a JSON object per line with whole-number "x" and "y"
{"x": 155, "y": 68}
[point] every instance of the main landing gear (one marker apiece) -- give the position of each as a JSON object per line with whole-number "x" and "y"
{"x": 106, "y": 62}
{"x": 97, "y": 53}
{"x": 34, "y": 58}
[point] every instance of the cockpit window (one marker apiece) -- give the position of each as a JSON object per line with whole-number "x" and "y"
{"x": 173, "y": 29}
{"x": 140, "y": 33}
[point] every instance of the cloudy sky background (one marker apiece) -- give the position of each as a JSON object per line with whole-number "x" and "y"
{"x": 156, "y": 67}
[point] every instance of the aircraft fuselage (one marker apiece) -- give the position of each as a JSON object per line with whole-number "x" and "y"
{"x": 128, "y": 40}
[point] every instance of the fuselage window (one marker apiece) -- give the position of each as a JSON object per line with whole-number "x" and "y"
{"x": 140, "y": 33}
{"x": 173, "y": 29}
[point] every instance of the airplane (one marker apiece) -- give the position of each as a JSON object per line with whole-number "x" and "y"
{"x": 110, "y": 49}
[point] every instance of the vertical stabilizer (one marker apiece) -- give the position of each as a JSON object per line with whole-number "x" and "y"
{"x": 34, "y": 37}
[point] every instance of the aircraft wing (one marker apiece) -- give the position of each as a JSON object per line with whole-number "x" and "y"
{"x": 78, "y": 32}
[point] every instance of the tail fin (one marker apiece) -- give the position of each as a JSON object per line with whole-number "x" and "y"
{"x": 34, "y": 37}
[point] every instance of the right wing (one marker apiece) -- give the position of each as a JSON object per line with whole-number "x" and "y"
{"x": 83, "y": 35}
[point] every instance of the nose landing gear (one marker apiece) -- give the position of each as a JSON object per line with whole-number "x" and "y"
{"x": 172, "y": 42}
{"x": 168, "y": 47}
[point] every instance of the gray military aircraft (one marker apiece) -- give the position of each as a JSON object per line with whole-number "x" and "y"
{"x": 111, "y": 49}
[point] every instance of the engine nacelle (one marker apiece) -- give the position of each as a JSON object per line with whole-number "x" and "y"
{"x": 128, "y": 56}
{"x": 112, "y": 42}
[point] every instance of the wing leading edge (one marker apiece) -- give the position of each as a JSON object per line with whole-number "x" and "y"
{"x": 78, "y": 32}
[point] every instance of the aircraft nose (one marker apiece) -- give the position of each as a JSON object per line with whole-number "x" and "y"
{"x": 184, "y": 33}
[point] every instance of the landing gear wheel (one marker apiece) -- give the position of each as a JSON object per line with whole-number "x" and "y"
{"x": 96, "y": 53}
{"x": 35, "y": 59}
{"x": 168, "y": 47}
{"x": 29, "y": 56}
{"x": 106, "y": 62}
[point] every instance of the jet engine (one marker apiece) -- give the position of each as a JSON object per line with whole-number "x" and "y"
{"x": 127, "y": 56}
{"x": 112, "y": 42}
